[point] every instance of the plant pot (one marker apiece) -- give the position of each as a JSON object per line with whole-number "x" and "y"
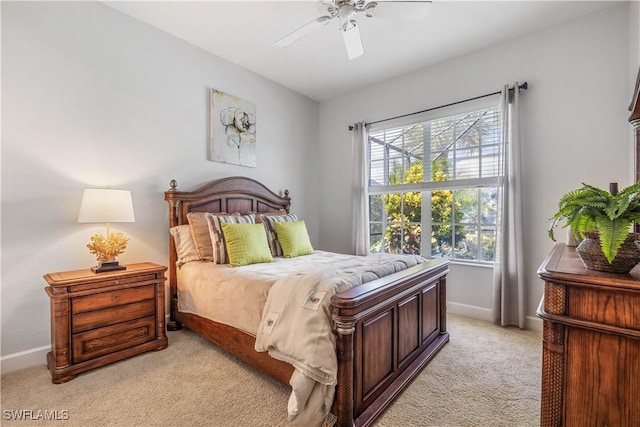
{"x": 590, "y": 253}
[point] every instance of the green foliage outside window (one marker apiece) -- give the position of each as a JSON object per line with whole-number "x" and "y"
{"x": 403, "y": 233}
{"x": 442, "y": 208}
{"x": 404, "y": 214}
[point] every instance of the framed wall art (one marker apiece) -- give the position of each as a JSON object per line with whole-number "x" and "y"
{"x": 233, "y": 130}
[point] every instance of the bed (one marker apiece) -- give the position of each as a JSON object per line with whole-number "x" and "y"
{"x": 386, "y": 330}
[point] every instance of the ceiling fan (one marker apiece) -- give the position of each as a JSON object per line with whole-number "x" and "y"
{"x": 347, "y": 10}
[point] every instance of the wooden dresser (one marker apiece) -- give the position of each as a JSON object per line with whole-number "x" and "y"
{"x": 101, "y": 318}
{"x": 591, "y": 344}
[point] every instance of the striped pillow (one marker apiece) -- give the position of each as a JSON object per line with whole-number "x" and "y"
{"x": 268, "y": 221}
{"x": 272, "y": 213}
{"x": 217, "y": 236}
{"x": 200, "y": 234}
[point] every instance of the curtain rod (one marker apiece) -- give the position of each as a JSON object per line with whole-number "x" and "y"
{"x": 523, "y": 86}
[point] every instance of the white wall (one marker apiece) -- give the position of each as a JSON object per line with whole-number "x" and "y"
{"x": 634, "y": 65}
{"x": 574, "y": 128}
{"x": 634, "y": 40}
{"x": 92, "y": 97}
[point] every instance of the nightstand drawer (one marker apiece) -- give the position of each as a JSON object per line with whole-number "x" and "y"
{"x": 109, "y": 316}
{"x": 117, "y": 281}
{"x": 112, "y": 299}
{"x": 98, "y": 342}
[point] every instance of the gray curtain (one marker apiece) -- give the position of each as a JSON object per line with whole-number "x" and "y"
{"x": 509, "y": 307}
{"x": 359, "y": 191}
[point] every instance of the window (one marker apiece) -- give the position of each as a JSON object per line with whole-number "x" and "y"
{"x": 453, "y": 194}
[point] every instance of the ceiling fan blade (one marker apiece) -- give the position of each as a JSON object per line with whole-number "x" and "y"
{"x": 414, "y": 10}
{"x": 353, "y": 42}
{"x": 304, "y": 30}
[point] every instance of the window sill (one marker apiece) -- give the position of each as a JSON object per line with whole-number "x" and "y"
{"x": 471, "y": 263}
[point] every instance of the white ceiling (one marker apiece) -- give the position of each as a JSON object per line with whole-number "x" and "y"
{"x": 244, "y": 33}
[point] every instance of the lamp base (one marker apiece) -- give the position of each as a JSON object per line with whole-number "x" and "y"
{"x": 107, "y": 266}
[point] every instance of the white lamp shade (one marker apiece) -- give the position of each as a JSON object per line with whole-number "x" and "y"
{"x": 106, "y": 205}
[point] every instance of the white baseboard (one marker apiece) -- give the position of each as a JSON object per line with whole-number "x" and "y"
{"x": 471, "y": 311}
{"x": 24, "y": 359}
{"x": 534, "y": 323}
{"x": 481, "y": 313}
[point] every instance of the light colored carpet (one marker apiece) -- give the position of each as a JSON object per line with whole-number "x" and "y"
{"x": 485, "y": 376}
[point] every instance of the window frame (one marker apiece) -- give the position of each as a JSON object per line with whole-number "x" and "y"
{"x": 492, "y": 101}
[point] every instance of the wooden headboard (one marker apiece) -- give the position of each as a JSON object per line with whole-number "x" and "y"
{"x": 232, "y": 194}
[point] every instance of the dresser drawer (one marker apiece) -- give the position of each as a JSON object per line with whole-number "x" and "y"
{"x": 98, "y": 342}
{"x": 112, "y": 299}
{"x": 611, "y": 307}
{"x": 112, "y": 315}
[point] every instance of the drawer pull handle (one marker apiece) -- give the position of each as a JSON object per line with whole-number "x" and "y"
{"x": 116, "y": 297}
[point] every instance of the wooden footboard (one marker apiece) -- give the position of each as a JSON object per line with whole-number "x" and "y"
{"x": 387, "y": 329}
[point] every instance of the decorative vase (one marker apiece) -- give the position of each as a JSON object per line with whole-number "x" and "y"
{"x": 593, "y": 258}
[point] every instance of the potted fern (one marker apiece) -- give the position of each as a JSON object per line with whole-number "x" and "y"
{"x": 603, "y": 219}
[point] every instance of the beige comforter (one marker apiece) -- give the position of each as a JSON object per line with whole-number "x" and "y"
{"x": 237, "y": 296}
{"x": 296, "y": 327}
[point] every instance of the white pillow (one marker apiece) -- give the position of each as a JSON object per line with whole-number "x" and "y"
{"x": 185, "y": 246}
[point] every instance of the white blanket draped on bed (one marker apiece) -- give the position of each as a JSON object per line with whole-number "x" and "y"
{"x": 296, "y": 327}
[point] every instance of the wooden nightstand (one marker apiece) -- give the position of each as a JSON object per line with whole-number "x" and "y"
{"x": 100, "y": 318}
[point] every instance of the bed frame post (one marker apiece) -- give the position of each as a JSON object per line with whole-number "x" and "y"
{"x": 344, "y": 410}
{"x": 174, "y": 207}
{"x": 443, "y": 304}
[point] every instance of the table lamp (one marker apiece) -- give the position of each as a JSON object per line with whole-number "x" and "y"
{"x": 106, "y": 205}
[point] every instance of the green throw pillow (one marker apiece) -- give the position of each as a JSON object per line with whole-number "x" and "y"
{"x": 246, "y": 244}
{"x": 293, "y": 238}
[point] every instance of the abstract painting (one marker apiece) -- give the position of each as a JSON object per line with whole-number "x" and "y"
{"x": 233, "y": 130}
